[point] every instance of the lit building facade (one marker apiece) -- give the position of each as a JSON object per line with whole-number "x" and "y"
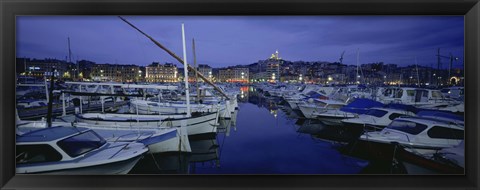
{"x": 202, "y": 69}
{"x": 37, "y": 68}
{"x": 157, "y": 72}
{"x": 116, "y": 73}
{"x": 273, "y": 68}
{"x": 234, "y": 75}
{"x": 206, "y": 71}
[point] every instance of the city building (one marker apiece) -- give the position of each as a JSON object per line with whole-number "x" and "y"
{"x": 235, "y": 74}
{"x": 157, "y": 72}
{"x": 38, "y": 68}
{"x": 258, "y": 77}
{"x": 206, "y": 71}
{"x": 336, "y": 79}
{"x": 202, "y": 69}
{"x": 273, "y": 68}
{"x": 116, "y": 73}
{"x": 85, "y": 68}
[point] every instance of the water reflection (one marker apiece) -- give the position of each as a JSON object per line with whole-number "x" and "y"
{"x": 262, "y": 137}
{"x": 206, "y": 151}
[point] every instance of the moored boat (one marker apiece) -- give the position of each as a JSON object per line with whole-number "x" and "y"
{"x": 198, "y": 123}
{"x": 422, "y": 135}
{"x": 72, "y": 150}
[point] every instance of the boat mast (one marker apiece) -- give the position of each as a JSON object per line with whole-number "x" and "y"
{"x": 185, "y": 71}
{"x": 177, "y": 58}
{"x": 196, "y": 69}
{"x": 416, "y": 66}
{"x": 70, "y": 56}
{"x": 358, "y": 76}
{"x": 50, "y": 100}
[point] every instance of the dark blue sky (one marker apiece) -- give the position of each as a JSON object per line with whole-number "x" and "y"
{"x": 225, "y": 41}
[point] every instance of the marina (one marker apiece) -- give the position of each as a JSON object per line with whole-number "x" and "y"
{"x": 270, "y": 117}
{"x": 283, "y": 141}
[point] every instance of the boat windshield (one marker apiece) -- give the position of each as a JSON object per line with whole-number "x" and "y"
{"x": 407, "y": 127}
{"x": 37, "y": 153}
{"x": 410, "y": 92}
{"x": 81, "y": 143}
{"x": 399, "y": 93}
{"x": 436, "y": 95}
{"x": 376, "y": 113}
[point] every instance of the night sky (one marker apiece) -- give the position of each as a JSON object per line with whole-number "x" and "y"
{"x": 225, "y": 41}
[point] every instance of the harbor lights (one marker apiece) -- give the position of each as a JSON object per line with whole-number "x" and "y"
{"x": 273, "y": 76}
{"x": 300, "y": 78}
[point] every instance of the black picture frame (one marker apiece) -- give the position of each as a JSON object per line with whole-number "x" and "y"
{"x": 9, "y": 9}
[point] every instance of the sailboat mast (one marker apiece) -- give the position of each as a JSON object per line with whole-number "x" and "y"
{"x": 196, "y": 69}
{"x": 176, "y": 57}
{"x": 69, "y": 51}
{"x": 416, "y": 66}
{"x": 358, "y": 76}
{"x": 70, "y": 54}
{"x": 185, "y": 71}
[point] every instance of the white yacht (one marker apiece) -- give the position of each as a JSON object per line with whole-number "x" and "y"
{"x": 74, "y": 150}
{"x": 158, "y": 140}
{"x": 421, "y": 98}
{"x": 444, "y": 161}
{"x": 325, "y": 110}
{"x": 421, "y": 135}
{"x": 375, "y": 118}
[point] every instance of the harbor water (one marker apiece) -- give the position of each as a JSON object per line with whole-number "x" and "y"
{"x": 262, "y": 134}
{"x": 262, "y": 137}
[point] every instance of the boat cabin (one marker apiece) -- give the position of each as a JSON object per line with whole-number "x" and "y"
{"x": 429, "y": 132}
{"x": 56, "y": 144}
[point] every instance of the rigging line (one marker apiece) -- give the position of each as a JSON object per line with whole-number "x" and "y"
{"x": 176, "y": 57}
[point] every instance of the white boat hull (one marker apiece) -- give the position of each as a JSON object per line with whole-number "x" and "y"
{"x": 205, "y": 123}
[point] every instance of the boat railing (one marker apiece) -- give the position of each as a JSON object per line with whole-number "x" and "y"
{"x": 137, "y": 139}
{"x": 124, "y": 146}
